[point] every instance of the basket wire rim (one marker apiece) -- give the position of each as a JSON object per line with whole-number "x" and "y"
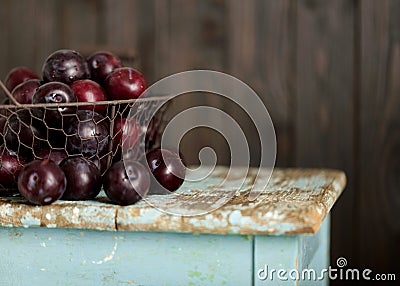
{"x": 16, "y": 104}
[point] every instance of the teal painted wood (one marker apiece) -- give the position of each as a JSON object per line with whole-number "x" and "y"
{"x": 279, "y": 260}
{"x": 40, "y": 256}
{"x": 36, "y": 256}
{"x": 96, "y": 243}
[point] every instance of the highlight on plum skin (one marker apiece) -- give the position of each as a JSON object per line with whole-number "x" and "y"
{"x": 65, "y": 66}
{"x": 23, "y": 93}
{"x": 87, "y": 134}
{"x": 54, "y": 92}
{"x": 126, "y": 183}
{"x": 101, "y": 64}
{"x": 17, "y": 76}
{"x": 87, "y": 90}
{"x": 50, "y": 146}
{"x": 167, "y": 167}
{"x": 42, "y": 182}
{"x": 125, "y": 83}
{"x": 83, "y": 177}
{"x": 10, "y": 167}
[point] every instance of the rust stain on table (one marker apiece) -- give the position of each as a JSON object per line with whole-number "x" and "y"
{"x": 295, "y": 202}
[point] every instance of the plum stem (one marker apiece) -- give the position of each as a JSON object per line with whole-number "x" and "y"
{"x": 45, "y": 161}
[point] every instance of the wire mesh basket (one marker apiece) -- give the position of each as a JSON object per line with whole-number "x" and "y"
{"x": 93, "y": 130}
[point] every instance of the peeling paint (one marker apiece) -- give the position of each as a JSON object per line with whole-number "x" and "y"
{"x": 108, "y": 257}
{"x": 295, "y": 201}
{"x": 28, "y": 220}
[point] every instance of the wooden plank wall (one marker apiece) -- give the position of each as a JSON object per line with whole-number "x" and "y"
{"x": 327, "y": 71}
{"x": 379, "y": 131}
{"x": 324, "y": 123}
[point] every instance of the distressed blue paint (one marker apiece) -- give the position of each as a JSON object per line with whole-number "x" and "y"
{"x": 40, "y": 256}
{"x": 292, "y": 252}
{"x": 295, "y": 203}
{"x": 35, "y": 256}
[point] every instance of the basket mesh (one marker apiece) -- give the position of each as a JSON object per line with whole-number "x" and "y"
{"x": 27, "y": 130}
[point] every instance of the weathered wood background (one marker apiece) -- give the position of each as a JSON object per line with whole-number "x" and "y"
{"x": 328, "y": 71}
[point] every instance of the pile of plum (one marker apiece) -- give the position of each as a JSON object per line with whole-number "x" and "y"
{"x": 59, "y": 151}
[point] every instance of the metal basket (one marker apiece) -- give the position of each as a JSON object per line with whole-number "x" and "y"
{"x": 27, "y": 129}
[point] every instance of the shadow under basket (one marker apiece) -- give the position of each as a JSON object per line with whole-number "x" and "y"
{"x": 92, "y": 130}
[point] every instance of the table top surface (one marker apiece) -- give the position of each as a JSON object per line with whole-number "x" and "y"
{"x": 296, "y": 201}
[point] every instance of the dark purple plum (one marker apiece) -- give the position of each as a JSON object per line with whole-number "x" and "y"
{"x": 65, "y": 66}
{"x": 154, "y": 129}
{"x": 167, "y": 168}
{"x": 4, "y": 112}
{"x": 10, "y": 167}
{"x": 24, "y": 92}
{"x": 22, "y": 133}
{"x": 100, "y": 162}
{"x": 101, "y": 64}
{"x": 54, "y": 92}
{"x": 18, "y": 75}
{"x": 127, "y": 131}
{"x": 42, "y": 182}
{"x": 87, "y": 90}
{"x": 87, "y": 134}
{"x": 125, "y": 83}
{"x": 3, "y": 121}
{"x": 153, "y": 133}
{"x": 83, "y": 177}
{"x": 57, "y": 137}
{"x": 126, "y": 184}
{"x": 54, "y": 155}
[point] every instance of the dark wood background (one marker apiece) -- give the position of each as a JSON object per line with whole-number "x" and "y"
{"x": 328, "y": 71}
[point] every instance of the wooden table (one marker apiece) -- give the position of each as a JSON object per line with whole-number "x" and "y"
{"x": 97, "y": 243}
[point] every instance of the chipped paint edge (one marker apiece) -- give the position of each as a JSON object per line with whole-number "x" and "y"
{"x": 13, "y": 214}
